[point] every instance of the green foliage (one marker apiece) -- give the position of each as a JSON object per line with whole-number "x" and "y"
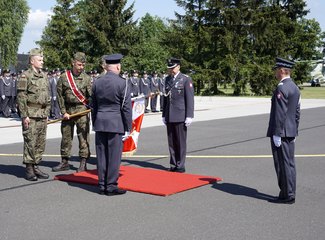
{"x": 13, "y": 18}
{"x": 148, "y": 54}
{"x": 105, "y": 27}
{"x": 239, "y": 41}
{"x": 59, "y": 36}
{"x": 220, "y": 42}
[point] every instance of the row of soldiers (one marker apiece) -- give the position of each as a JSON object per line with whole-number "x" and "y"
{"x": 151, "y": 86}
{"x": 8, "y": 93}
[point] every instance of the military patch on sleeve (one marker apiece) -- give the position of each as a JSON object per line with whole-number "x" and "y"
{"x": 191, "y": 85}
{"x": 22, "y": 84}
{"x": 279, "y": 96}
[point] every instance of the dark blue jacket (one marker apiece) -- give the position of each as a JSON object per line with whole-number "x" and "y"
{"x": 285, "y": 110}
{"x": 178, "y": 99}
{"x": 111, "y": 104}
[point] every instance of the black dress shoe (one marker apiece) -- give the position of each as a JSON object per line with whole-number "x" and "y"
{"x": 172, "y": 169}
{"x": 283, "y": 200}
{"x": 102, "y": 192}
{"x": 180, "y": 170}
{"x": 116, "y": 191}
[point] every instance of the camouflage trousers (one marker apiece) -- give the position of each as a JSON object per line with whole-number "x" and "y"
{"x": 67, "y": 131}
{"x": 34, "y": 140}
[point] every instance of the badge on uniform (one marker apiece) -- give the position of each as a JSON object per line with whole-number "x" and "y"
{"x": 279, "y": 95}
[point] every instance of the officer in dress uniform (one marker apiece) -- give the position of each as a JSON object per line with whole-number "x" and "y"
{"x": 55, "y": 108}
{"x": 144, "y": 87}
{"x": 283, "y": 129}
{"x": 74, "y": 100}
{"x": 111, "y": 117}
{"x": 13, "y": 103}
{"x": 133, "y": 84}
{"x": 6, "y": 86}
{"x": 33, "y": 99}
{"x": 154, "y": 88}
{"x": 178, "y": 113}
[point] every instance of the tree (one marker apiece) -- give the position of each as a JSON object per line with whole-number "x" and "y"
{"x": 148, "y": 53}
{"x": 105, "y": 26}
{"x": 60, "y": 40}
{"x": 13, "y": 18}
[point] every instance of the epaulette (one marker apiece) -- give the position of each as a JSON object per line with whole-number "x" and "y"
{"x": 280, "y": 84}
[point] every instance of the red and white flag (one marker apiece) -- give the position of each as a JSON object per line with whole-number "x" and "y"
{"x": 131, "y": 143}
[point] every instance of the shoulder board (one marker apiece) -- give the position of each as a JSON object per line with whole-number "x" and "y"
{"x": 280, "y": 84}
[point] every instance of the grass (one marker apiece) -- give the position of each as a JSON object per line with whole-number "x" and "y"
{"x": 307, "y": 92}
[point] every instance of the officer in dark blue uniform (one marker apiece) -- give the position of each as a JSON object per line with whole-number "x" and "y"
{"x": 112, "y": 117}
{"x": 133, "y": 83}
{"x": 178, "y": 113}
{"x": 283, "y": 129}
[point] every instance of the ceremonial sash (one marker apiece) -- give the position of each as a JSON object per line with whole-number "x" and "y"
{"x": 74, "y": 88}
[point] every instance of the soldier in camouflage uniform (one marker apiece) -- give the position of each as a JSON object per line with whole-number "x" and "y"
{"x": 33, "y": 99}
{"x": 70, "y": 104}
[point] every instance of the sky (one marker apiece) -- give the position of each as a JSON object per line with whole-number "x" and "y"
{"x": 40, "y": 12}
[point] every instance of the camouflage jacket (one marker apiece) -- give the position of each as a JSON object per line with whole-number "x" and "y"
{"x": 68, "y": 102}
{"x": 33, "y": 94}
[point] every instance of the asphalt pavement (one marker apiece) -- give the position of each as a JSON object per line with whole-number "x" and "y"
{"x": 227, "y": 139}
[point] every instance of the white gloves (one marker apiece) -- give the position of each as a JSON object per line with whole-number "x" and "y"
{"x": 164, "y": 120}
{"x": 3, "y": 97}
{"x": 54, "y": 98}
{"x": 277, "y": 141}
{"x": 188, "y": 121}
{"x": 125, "y": 136}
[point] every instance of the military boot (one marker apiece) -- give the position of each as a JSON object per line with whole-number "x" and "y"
{"x": 30, "y": 174}
{"x": 83, "y": 165}
{"x": 63, "y": 166}
{"x": 39, "y": 173}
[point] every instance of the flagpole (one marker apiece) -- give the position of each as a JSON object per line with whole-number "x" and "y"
{"x": 82, "y": 113}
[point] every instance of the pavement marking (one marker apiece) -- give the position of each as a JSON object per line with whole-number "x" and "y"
{"x": 188, "y": 156}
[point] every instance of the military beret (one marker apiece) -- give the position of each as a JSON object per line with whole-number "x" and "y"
{"x": 36, "y": 52}
{"x": 80, "y": 56}
{"x": 173, "y": 62}
{"x": 280, "y": 62}
{"x": 113, "y": 58}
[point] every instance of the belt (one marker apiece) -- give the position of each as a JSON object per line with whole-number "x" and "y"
{"x": 36, "y": 105}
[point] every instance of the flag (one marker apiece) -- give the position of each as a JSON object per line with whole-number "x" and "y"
{"x": 131, "y": 143}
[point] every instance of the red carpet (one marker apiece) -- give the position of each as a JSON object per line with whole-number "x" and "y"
{"x": 145, "y": 180}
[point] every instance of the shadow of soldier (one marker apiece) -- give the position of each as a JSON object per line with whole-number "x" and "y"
{"x": 145, "y": 164}
{"x": 14, "y": 170}
{"x": 236, "y": 189}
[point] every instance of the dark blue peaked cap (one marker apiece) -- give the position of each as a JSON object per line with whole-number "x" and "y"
{"x": 113, "y": 58}
{"x": 280, "y": 62}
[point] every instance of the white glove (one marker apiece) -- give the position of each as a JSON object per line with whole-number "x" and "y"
{"x": 188, "y": 121}
{"x": 125, "y": 136}
{"x": 277, "y": 141}
{"x": 164, "y": 120}
{"x": 3, "y": 97}
{"x": 54, "y": 98}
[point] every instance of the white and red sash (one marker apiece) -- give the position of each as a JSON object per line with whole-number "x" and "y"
{"x": 74, "y": 88}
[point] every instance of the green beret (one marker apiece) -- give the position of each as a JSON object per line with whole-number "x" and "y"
{"x": 80, "y": 56}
